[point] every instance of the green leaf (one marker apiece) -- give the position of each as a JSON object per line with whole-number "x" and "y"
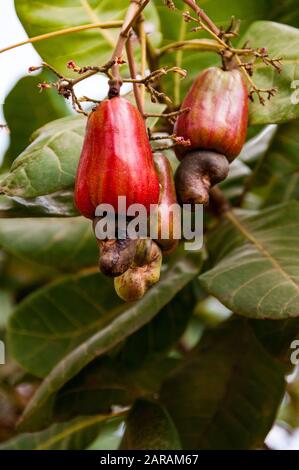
{"x": 59, "y": 204}
{"x": 138, "y": 368}
{"x": 6, "y": 306}
{"x": 255, "y": 263}
{"x": 80, "y": 318}
{"x": 226, "y": 394}
{"x": 50, "y": 163}
{"x": 277, "y": 178}
{"x": 66, "y": 244}
{"x": 90, "y": 47}
{"x": 286, "y": 12}
{"x": 277, "y": 336}
{"x": 109, "y": 436}
{"x": 162, "y": 332}
{"x": 73, "y": 435}
{"x": 281, "y": 41}
{"x": 149, "y": 427}
{"x": 59, "y": 317}
{"x": 25, "y": 109}
{"x": 108, "y": 382}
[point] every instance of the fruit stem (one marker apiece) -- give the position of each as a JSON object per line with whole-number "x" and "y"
{"x": 206, "y": 45}
{"x": 178, "y": 63}
{"x": 142, "y": 39}
{"x": 62, "y": 32}
{"x": 135, "y": 9}
{"x": 133, "y": 73}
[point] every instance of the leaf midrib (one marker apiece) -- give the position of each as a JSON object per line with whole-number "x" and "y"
{"x": 231, "y": 216}
{"x": 95, "y": 19}
{"x": 74, "y": 429}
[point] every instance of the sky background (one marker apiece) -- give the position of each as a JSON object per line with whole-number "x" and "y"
{"x": 14, "y": 64}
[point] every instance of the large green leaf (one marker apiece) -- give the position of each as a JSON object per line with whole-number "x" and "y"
{"x": 80, "y": 318}
{"x": 50, "y": 163}
{"x": 281, "y": 41}
{"x": 66, "y": 244}
{"x": 73, "y": 435}
{"x": 226, "y": 394}
{"x": 138, "y": 368}
{"x": 149, "y": 427}
{"x": 25, "y": 110}
{"x": 277, "y": 178}
{"x": 86, "y": 47}
{"x": 56, "y": 319}
{"x": 255, "y": 263}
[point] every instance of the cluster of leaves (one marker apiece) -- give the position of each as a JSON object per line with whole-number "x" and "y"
{"x": 172, "y": 367}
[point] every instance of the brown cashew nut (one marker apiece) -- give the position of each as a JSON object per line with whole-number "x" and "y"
{"x": 198, "y": 172}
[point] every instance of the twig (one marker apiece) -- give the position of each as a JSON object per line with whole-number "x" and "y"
{"x": 133, "y": 73}
{"x": 178, "y": 63}
{"x": 230, "y": 56}
{"x": 192, "y": 4}
{"x": 164, "y": 147}
{"x": 135, "y": 9}
{"x": 62, "y": 32}
{"x": 167, "y": 115}
{"x": 149, "y": 80}
{"x": 142, "y": 39}
{"x": 176, "y": 139}
{"x": 205, "y": 45}
{"x": 171, "y": 117}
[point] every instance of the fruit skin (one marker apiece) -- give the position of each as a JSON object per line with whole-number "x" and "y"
{"x": 143, "y": 274}
{"x": 167, "y": 198}
{"x": 116, "y": 159}
{"x": 197, "y": 173}
{"x": 218, "y": 116}
{"x": 116, "y": 256}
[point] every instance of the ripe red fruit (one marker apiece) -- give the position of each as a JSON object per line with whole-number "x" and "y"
{"x": 116, "y": 160}
{"x": 218, "y": 116}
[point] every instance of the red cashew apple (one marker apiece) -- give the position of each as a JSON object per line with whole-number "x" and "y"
{"x": 116, "y": 159}
{"x": 218, "y": 116}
